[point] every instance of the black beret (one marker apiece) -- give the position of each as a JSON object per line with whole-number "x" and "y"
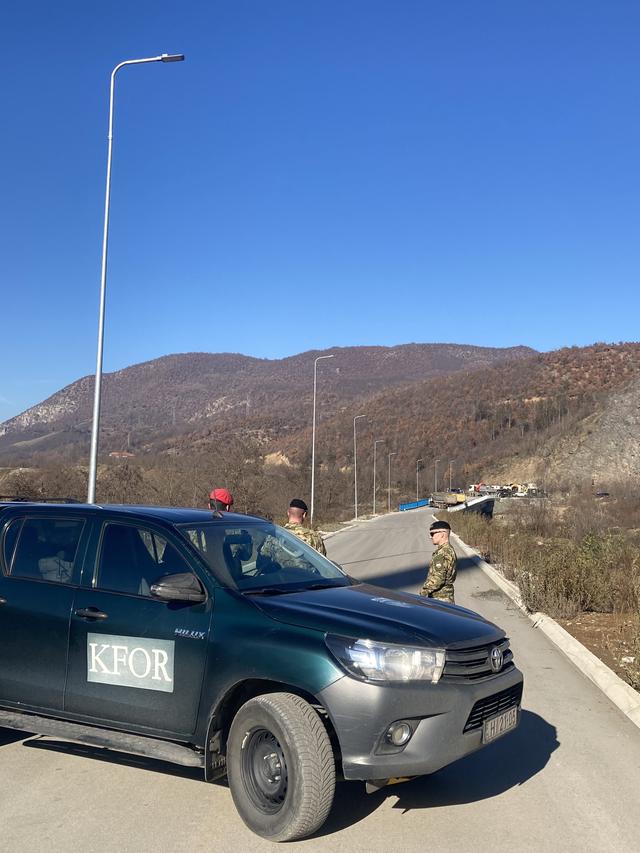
{"x": 440, "y": 525}
{"x": 297, "y": 503}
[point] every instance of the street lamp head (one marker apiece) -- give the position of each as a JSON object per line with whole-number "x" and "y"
{"x": 172, "y": 57}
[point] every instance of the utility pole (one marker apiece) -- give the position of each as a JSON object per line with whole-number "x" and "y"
{"x": 389, "y": 483}
{"x": 355, "y": 467}
{"x": 313, "y": 434}
{"x": 375, "y": 444}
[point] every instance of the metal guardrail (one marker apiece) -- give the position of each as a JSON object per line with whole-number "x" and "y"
{"x": 413, "y": 505}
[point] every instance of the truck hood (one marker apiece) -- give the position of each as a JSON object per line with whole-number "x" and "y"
{"x": 370, "y": 612}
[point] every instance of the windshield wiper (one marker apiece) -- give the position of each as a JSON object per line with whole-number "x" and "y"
{"x": 274, "y": 590}
{"x": 264, "y": 590}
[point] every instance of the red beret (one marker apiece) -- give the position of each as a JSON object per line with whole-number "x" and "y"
{"x": 222, "y": 495}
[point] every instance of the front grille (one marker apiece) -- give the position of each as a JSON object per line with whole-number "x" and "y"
{"x": 486, "y": 708}
{"x": 473, "y": 663}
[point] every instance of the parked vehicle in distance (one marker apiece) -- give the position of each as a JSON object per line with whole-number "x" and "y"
{"x": 224, "y": 642}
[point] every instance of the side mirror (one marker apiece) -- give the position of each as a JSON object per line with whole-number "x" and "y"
{"x": 181, "y": 587}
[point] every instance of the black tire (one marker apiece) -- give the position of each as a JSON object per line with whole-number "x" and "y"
{"x": 280, "y": 767}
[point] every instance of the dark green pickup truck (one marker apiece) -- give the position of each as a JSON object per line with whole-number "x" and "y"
{"x": 224, "y": 642}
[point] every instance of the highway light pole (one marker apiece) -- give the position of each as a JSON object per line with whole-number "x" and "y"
{"x": 355, "y": 466}
{"x": 435, "y": 475}
{"x": 389, "y": 483}
{"x": 451, "y": 461}
{"x": 313, "y": 434}
{"x": 375, "y": 444}
{"x": 418, "y": 461}
{"x": 95, "y": 425}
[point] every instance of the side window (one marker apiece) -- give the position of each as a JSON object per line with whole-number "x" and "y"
{"x": 45, "y": 549}
{"x": 134, "y": 558}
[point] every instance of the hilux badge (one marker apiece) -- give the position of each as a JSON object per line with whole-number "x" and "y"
{"x": 190, "y": 635}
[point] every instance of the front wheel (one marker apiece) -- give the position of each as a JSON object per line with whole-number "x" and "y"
{"x": 280, "y": 767}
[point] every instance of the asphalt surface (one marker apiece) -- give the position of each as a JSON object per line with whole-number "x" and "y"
{"x": 566, "y": 780}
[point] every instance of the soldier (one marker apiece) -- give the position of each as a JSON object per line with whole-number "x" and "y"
{"x": 442, "y": 571}
{"x": 296, "y": 515}
{"x": 221, "y": 499}
{"x": 275, "y": 555}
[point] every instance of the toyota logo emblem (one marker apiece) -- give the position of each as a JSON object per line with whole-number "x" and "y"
{"x": 495, "y": 659}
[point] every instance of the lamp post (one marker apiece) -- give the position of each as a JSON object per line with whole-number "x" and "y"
{"x": 375, "y": 443}
{"x": 95, "y": 425}
{"x": 451, "y": 461}
{"x": 418, "y": 461}
{"x": 313, "y": 434}
{"x": 355, "y": 466}
{"x": 435, "y": 475}
{"x": 389, "y": 482}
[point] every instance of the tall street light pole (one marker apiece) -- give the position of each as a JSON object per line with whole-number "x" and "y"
{"x": 418, "y": 461}
{"x": 451, "y": 461}
{"x": 435, "y": 475}
{"x": 375, "y": 444}
{"x": 313, "y": 433}
{"x": 95, "y": 425}
{"x": 355, "y": 466}
{"x": 389, "y": 483}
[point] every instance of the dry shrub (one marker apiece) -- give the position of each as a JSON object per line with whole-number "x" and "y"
{"x": 558, "y": 575}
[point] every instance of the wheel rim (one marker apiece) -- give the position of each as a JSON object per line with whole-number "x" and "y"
{"x": 264, "y": 770}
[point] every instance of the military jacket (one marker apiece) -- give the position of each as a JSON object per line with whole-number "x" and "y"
{"x": 442, "y": 574}
{"x": 311, "y": 537}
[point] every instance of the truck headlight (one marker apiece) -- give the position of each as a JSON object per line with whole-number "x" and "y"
{"x": 372, "y": 661}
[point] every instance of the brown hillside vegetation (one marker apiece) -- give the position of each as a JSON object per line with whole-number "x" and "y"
{"x": 489, "y": 420}
{"x": 548, "y": 416}
{"x": 150, "y": 405}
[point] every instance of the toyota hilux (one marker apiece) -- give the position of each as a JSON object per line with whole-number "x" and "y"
{"x": 222, "y": 641}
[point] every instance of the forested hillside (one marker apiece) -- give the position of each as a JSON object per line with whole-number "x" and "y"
{"x": 472, "y": 414}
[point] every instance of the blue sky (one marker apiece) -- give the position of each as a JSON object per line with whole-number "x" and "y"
{"x": 315, "y": 174}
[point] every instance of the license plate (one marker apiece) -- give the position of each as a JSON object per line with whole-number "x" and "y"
{"x": 499, "y": 725}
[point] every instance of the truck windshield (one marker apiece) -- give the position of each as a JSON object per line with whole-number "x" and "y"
{"x": 261, "y": 556}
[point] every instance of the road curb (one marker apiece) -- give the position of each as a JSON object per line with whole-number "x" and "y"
{"x": 618, "y": 691}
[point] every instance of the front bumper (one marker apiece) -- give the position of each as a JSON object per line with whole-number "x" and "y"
{"x": 362, "y": 712}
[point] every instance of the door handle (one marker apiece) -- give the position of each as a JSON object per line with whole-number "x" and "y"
{"x": 91, "y": 613}
{"x": 3, "y": 600}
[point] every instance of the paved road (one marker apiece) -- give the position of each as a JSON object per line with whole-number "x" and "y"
{"x": 567, "y": 780}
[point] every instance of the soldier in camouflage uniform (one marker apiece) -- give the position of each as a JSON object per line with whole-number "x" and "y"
{"x": 272, "y": 551}
{"x": 442, "y": 571}
{"x": 296, "y": 515}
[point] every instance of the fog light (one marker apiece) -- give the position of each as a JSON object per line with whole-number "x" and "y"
{"x": 399, "y": 733}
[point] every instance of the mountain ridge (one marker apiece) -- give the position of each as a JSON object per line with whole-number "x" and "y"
{"x": 181, "y": 389}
